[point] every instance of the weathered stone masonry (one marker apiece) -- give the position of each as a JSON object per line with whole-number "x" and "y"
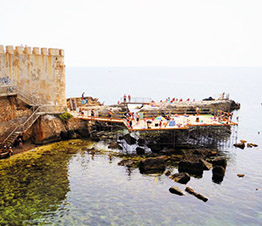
{"x": 39, "y": 74}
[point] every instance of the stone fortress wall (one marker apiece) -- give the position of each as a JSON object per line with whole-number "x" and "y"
{"x": 41, "y": 73}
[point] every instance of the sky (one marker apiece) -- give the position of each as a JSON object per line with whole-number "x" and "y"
{"x": 172, "y": 33}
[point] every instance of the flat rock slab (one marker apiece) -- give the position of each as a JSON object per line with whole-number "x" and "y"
{"x": 197, "y": 195}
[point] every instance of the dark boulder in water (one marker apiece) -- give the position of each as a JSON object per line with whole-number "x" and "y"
{"x": 129, "y": 139}
{"x": 240, "y": 145}
{"x": 218, "y": 174}
{"x": 140, "y": 151}
{"x": 141, "y": 142}
{"x": 191, "y": 167}
{"x": 218, "y": 161}
{"x": 155, "y": 148}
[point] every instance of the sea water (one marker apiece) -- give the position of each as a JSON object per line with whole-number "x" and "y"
{"x": 81, "y": 189}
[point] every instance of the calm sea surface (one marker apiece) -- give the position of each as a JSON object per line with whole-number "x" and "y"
{"x": 74, "y": 189}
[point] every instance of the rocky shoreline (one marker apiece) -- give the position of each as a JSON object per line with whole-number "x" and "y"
{"x": 50, "y": 128}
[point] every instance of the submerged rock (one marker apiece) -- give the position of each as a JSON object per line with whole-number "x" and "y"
{"x": 182, "y": 178}
{"x": 114, "y": 145}
{"x": 126, "y": 162}
{"x": 191, "y": 167}
{"x": 176, "y": 190}
{"x": 152, "y": 165}
{"x": 218, "y": 174}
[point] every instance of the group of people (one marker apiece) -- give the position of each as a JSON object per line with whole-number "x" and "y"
{"x": 169, "y": 100}
{"x": 129, "y": 98}
{"x": 223, "y": 116}
{"x": 93, "y": 113}
{"x": 130, "y": 117}
{"x": 9, "y": 150}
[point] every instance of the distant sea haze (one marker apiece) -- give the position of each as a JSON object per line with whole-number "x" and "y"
{"x": 109, "y": 84}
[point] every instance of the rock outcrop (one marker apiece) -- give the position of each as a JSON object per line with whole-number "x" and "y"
{"x": 140, "y": 151}
{"x": 190, "y": 106}
{"x": 49, "y": 128}
{"x": 152, "y": 165}
{"x": 191, "y": 167}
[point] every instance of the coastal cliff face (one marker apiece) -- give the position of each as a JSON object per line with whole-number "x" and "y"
{"x": 50, "y": 128}
{"x": 47, "y": 129}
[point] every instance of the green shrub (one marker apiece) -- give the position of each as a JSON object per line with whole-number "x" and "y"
{"x": 65, "y": 116}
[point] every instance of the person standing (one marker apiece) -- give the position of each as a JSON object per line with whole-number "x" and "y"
{"x": 92, "y": 113}
{"x": 83, "y": 95}
{"x": 20, "y": 143}
{"x": 110, "y": 113}
{"x": 137, "y": 116}
{"x": 197, "y": 110}
{"x": 10, "y": 151}
{"x": 129, "y": 98}
{"x": 125, "y": 98}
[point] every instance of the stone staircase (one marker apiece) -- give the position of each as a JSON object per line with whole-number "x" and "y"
{"x": 38, "y": 107}
{"x": 35, "y": 104}
{"x": 21, "y": 129}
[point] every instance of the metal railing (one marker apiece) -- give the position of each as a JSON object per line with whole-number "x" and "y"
{"x": 24, "y": 127}
{"x": 10, "y": 134}
{"x": 29, "y": 122}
